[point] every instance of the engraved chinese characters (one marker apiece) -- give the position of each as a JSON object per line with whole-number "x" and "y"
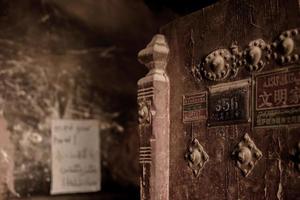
{"x": 277, "y": 97}
{"x": 194, "y": 107}
{"x": 229, "y": 103}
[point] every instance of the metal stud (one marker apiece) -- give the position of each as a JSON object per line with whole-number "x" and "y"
{"x": 294, "y": 32}
{"x": 217, "y": 64}
{"x": 196, "y": 157}
{"x": 282, "y": 59}
{"x": 222, "y": 63}
{"x": 246, "y": 155}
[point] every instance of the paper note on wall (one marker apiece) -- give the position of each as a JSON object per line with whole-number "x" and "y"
{"x": 75, "y": 156}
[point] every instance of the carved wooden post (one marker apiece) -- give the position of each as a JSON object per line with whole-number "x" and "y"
{"x": 153, "y": 102}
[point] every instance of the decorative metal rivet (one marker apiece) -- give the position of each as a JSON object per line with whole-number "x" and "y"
{"x": 294, "y": 32}
{"x": 222, "y": 63}
{"x": 246, "y": 137}
{"x": 196, "y": 157}
{"x": 214, "y": 77}
{"x": 251, "y": 164}
{"x": 282, "y": 59}
{"x": 234, "y": 48}
{"x": 287, "y": 46}
{"x": 255, "y": 53}
{"x": 246, "y": 155}
{"x": 217, "y": 64}
{"x": 287, "y": 34}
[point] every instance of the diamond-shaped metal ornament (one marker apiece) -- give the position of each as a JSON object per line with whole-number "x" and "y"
{"x": 246, "y": 155}
{"x": 196, "y": 157}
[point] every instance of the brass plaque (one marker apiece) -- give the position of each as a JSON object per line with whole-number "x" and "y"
{"x": 277, "y": 98}
{"x": 229, "y": 103}
{"x": 194, "y": 107}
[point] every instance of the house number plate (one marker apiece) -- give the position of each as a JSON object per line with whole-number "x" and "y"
{"x": 229, "y": 103}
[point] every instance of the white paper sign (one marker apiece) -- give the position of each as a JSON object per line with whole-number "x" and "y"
{"x": 75, "y": 156}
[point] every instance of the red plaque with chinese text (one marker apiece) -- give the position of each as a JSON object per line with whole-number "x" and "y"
{"x": 277, "y": 99}
{"x": 194, "y": 107}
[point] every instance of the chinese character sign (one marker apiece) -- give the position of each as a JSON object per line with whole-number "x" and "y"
{"x": 278, "y": 98}
{"x": 229, "y": 106}
{"x": 278, "y": 90}
{"x": 194, "y": 107}
{"x": 75, "y": 156}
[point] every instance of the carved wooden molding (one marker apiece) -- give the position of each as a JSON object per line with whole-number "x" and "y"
{"x": 144, "y": 112}
{"x": 153, "y": 103}
{"x": 222, "y": 64}
{"x": 154, "y": 56}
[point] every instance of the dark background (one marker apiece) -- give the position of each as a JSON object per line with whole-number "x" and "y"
{"x": 77, "y": 58}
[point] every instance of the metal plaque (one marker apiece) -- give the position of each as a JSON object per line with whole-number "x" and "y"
{"x": 277, "y": 98}
{"x": 194, "y": 107}
{"x": 229, "y": 103}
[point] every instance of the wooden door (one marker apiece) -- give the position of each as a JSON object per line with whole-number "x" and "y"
{"x": 231, "y": 96}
